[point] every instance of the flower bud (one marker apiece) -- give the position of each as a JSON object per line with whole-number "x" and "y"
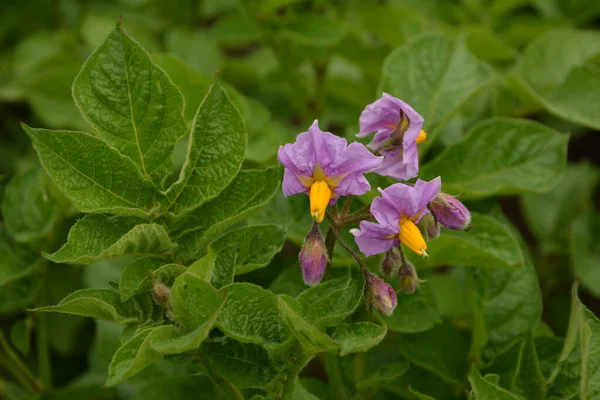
{"x": 390, "y": 264}
{"x": 380, "y": 294}
{"x": 313, "y": 256}
{"x": 160, "y": 293}
{"x": 409, "y": 281}
{"x": 450, "y": 212}
{"x": 429, "y": 227}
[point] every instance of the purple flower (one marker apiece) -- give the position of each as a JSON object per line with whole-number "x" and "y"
{"x": 398, "y": 130}
{"x": 397, "y": 211}
{"x": 380, "y": 294}
{"x": 325, "y": 167}
{"x": 450, "y": 212}
{"x": 313, "y": 256}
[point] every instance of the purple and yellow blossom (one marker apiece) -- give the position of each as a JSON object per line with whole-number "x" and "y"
{"x": 313, "y": 256}
{"x": 380, "y": 294}
{"x": 398, "y": 129}
{"x": 325, "y": 166}
{"x": 397, "y": 212}
{"x": 450, "y": 212}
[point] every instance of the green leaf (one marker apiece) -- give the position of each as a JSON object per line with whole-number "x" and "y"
{"x": 584, "y": 252}
{"x": 131, "y": 103}
{"x": 254, "y": 245}
{"x": 134, "y": 279}
{"x": 93, "y": 175}
{"x": 550, "y": 213}
{"x": 529, "y": 379}
{"x": 312, "y": 340}
{"x": 328, "y": 303}
{"x": 577, "y": 373}
{"x": 215, "y": 152}
{"x": 249, "y": 191}
{"x": 417, "y": 378}
{"x": 96, "y": 237}
{"x": 97, "y": 303}
{"x": 490, "y": 244}
{"x": 313, "y": 30}
{"x": 20, "y": 335}
{"x": 251, "y": 315}
{"x": 245, "y": 365}
{"x": 133, "y": 356}
{"x": 502, "y": 156}
{"x": 416, "y": 312}
{"x": 436, "y": 75}
{"x": 441, "y": 350}
{"x": 28, "y": 212}
{"x": 486, "y": 389}
{"x": 176, "y": 387}
{"x": 358, "y": 336}
{"x": 509, "y": 302}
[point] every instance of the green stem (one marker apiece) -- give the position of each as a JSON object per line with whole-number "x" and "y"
{"x": 334, "y": 374}
{"x": 43, "y": 345}
{"x": 292, "y": 379}
{"x": 228, "y": 388}
{"x": 12, "y": 363}
{"x": 346, "y": 206}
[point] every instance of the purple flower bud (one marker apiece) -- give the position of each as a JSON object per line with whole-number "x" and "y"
{"x": 390, "y": 264}
{"x": 429, "y": 227}
{"x": 313, "y": 256}
{"x": 380, "y": 294}
{"x": 450, "y": 212}
{"x": 409, "y": 281}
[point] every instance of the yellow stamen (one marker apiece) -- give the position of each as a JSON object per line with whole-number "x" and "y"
{"x": 411, "y": 237}
{"x": 421, "y": 138}
{"x": 320, "y": 194}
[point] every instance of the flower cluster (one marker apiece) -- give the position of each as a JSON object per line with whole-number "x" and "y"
{"x": 325, "y": 167}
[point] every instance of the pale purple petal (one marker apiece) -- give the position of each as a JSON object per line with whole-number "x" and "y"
{"x": 404, "y": 197}
{"x": 299, "y": 157}
{"x": 291, "y": 185}
{"x": 326, "y": 146}
{"x": 373, "y": 238}
{"x": 427, "y": 192}
{"x": 355, "y": 158}
{"x": 386, "y": 212}
{"x": 381, "y": 115}
{"x": 397, "y": 166}
{"x": 355, "y": 184}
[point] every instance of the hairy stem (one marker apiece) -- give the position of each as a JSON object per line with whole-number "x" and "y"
{"x": 43, "y": 344}
{"x": 334, "y": 374}
{"x": 292, "y": 380}
{"x": 346, "y": 206}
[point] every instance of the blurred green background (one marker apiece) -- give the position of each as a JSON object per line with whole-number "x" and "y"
{"x": 286, "y": 63}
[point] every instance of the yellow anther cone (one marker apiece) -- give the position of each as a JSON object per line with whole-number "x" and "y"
{"x": 411, "y": 237}
{"x": 320, "y": 194}
{"x": 422, "y": 136}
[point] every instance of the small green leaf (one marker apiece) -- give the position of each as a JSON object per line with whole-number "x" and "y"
{"x": 131, "y": 103}
{"x": 93, "y": 175}
{"x": 584, "y": 252}
{"x": 249, "y": 191}
{"x": 193, "y": 301}
{"x": 486, "y": 389}
{"x": 28, "y": 212}
{"x": 490, "y": 244}
{"x": 358, "y": 336}
{"x": 96, "y": 237}
{"x": 381, "y": 375}
{"x": 134, "y": 279}
{"x": 441, "y": 350}
{"x": 97, "y": 303}
{"x": 502, "y": 156}
{"x": 255, "y": 245}
{"x": 215, "y": 152}
{"x": 416, "y": 312}
{"x": 529, "y": 379}
{"x": 245, "y": 365}
{"x": 313, "y": 30}
{"x": 436, "y": 75}
{"x": 328, "y": 303}
{"x": 251, "y": 315}
{"x": 133, "y": 356}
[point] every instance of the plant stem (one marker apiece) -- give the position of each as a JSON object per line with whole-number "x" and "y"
{"x": 11, "y": 362}
{"x": 43, "y": 347}
{"x": 346, "y": 206}
{"x": 292, "y": 378}
{"x": 334, "y": 374}
{"x": 228, "y": 388}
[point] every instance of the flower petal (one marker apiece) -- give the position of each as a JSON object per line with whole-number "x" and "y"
{"x": 399, "y": 167}
{"x": 291, "y": 184}
{"x": 373, "y": 238}
{"x": 426, "y": 192}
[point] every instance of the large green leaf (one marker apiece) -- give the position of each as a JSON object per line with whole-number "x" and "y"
{"x": 93, "y": 175}
{"x": 249, "y": 191}
{"x": 490, "y": 244}
{"x": 254, "y": 245}
{"x": 97, "y": 303}
{"x": 550, "y": 214}
{"x": 577, "y": 373}
{"x": 245, "y": 365}
{"x": 502, "y": 156}
{"x": 358, "y": 336}
{"x": 131, "y": 103}
{"x": 96, "y": 237}
{"x": 28, "y": 212}
{"x": 584, "y": 251}
{"x": 436, "y": 75}
{"x": 134, "y": 279}
{"x": 215, "y": 152}
{"x": 415, "y": 312}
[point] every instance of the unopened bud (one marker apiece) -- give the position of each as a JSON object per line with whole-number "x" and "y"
{"x": 409, "y": 281}
{"x": 391, "y": 263}
{"x": 160, "y": 293}
{"x": 380, "y": 294}
{"x": 313, "y": 256}
{"x": 450, "y": 212}
{"x": 429, "y": 227}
